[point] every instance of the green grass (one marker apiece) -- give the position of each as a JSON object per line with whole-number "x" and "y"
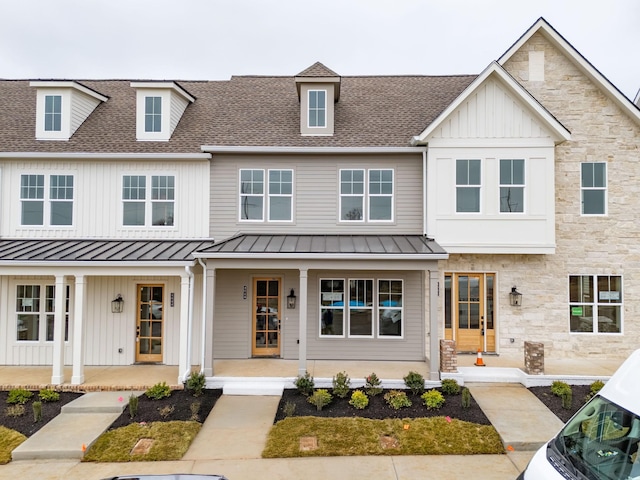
{"x": 171, "y": 441}
{"x": 360, "y": 436}
{"x": 9, "y": 439}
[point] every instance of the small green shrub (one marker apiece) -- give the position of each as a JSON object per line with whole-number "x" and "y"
{"x": 567, "y": 399}
{"x": 133, "y": 405}
{"x": 414, "y": 382}
{"x": 48, "y": 395}
{"x": 320, "y": 398}
{"x": 359, "y": 400}
{"x": 158, "y": 391}
{"x": 37, "y": 411}
{"x": 15, "y": 410}
{"x": 304, "y": 384}
{"x": 19, "y": 396}
{"x": 450, "y": 386}
{"x": 432, "y": 399}
{"x": 594, "y": 389}
{"x": 466, "y": 398}
{"x": 341, "y": 384}
{"x": 397, "y": 399}
{"x": 289, "y": 409}
{"x": 372, "y": 385}
{"x": 559, "y": 388}
{"x": 196, "y": 383}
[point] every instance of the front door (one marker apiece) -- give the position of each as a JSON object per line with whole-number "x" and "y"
{"x": 150, "y": 323}
{"x": 266, "y": 317}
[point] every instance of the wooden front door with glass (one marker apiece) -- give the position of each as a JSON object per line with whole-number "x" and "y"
{"x": 150, "y": 323}
{"x": 266, "y": 317}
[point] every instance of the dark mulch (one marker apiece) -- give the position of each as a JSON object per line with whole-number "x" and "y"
{"x": 378, "y": 408}
{"x": 180, "y": 406}
{"x": 25, "y": 424}
{"x": 554, "y": 403}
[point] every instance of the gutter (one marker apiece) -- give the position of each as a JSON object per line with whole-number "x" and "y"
{"x": 309, "y": 150}
{"x": 107, "y": 156}
{"x": 190, "y": 323}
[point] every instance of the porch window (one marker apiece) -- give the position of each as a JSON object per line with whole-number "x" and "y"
{"x": 35, "y": 310}
{"x": 360, "y": 308}
{"x": 595, "y": 304}
{"x": 390, "y": 293}
{"x": 332, "y": 307}
{"x": 468, "y": 186}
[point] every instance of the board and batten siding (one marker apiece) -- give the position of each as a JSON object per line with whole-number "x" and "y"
{"x": 97, "y": 204}
{"x": 316, "y": 193}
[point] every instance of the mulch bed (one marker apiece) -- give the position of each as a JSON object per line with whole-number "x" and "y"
{"x": 554, "y": 403}
{"x": 379, "y": 409}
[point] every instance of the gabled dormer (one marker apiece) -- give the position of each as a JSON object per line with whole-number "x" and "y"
{"x": 61, "y": 107}
{"x": 318, "y": 89}
{"x": 159, "y": 107}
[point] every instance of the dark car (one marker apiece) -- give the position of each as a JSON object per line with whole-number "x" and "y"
{"x": 172, "y": 476}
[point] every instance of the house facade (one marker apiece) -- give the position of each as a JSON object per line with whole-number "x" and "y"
{"x": 320, "y": 217}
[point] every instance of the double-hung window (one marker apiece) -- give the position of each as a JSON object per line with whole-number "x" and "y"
{"x": 35, "y": 312}
{"x": 595, "y": 303}
{"x": 594, "y": 188}
{"x": 52, "y": 201}
{"x": 276, "y": 195}
{"x": 352, "y": 195}
{"x": 153, "y": 114}
{"x": 317, "y": 108}
{"x": 380, "y": 195}
{"x": 512, "y": 186}
{"x": 468, "y": 183}
{"x": 142, "y": 206}
{"x": 53, "y": 113}
{"x": 390, "y": 293}
{"x": 360, "y": 308}
{"x": 376, "y": 185}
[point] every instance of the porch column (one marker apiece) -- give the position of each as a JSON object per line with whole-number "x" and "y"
{"x": 183, "y": 361}
{"x": 207, "y": 321}
{"x": 434, "y": 345}
{"x": 80, "y": 297}
{"x": 57, "y": 376}
{"x": 302, "y": 348}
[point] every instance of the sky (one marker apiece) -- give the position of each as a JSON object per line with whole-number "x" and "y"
{"x": 215, "y": 39}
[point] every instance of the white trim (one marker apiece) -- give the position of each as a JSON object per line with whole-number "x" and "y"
{"x": 68, "y": 84}
{"x": 164, "y": 86}
{"x": 107, "y": 156}
{"x": 314, "y": 150}
{"x": 323, "y": 256}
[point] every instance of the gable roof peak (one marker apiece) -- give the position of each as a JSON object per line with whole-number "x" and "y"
{"x": 317, "y": 70}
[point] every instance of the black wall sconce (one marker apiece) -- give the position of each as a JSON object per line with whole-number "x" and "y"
{"x": 515, "y": 297}
{"x": 291, "y": 299}
{"x": 117, "y": 304}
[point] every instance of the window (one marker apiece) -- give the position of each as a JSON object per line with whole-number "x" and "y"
{"x": 53, "y": 113}
{"x": 34, "y": 202}
{"x": 595, "y": 303}
{"x": 138, "y": 207}
{"x": 317, "y": 108}
{"x": 33, "y": 321}
{"x": 512, "y": 186}
{"x": 351, "y": 195}
{"x": 594, "y": 188}
{"x": 279, "y": 192}
{"x": 467, "y": 186}
{"x": 356, "y": 308}
{"x": 153, "y": 114}
{"x": 379, "y": 193}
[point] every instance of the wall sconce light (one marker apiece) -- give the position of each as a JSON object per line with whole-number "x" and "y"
{"x": 515, "y": 297}
{"x": 291, "y": 299}
{"x": 116, "y": 304}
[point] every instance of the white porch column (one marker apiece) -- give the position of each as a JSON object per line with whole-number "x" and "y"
{"x": 302, "y": 349}
{"x": 207, "y": 323}
{"x": 57, "y": 376}
{"x": 80, "y": 298}
{"x": 183, "y": 355}
{"x": 434, "y": 341}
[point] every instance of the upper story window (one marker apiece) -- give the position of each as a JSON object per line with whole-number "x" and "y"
{"x": 595, "y": 303}
{"x": 278, "y": 195}
{"x": 159, "y": 107}
{"x": 378, "y": 190}
{"x": 53, "y": 113}
{"x": 468, "y": 182}
{"x": 594, "y": 188}
{"x": 512, "y": 186}
{"x": 142, "y": 206}
{"x": 318, "y": 108}
{"x": 153, "y": 114}
{"x": 53, "y": 202}
{"x": 35, "y": 311}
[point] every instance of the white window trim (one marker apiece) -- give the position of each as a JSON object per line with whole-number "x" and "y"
{"x": 270, "y": 195}
{"x": 65, "y": 121}
{"x": 325, "y": 108}
{"x": 595, "y": 304}
{"x": 369, "y": 195}
{"x": 377, "y": 309}
{"x": 523, "y": 186}
{"x": 362, "y": 195}
{"x": 164, "y": 134}
{"x": 480, "y": 187}
{"x": 263, "y": 195}
{"x": 148, "y": 202}
{"x": 605, "y": 188}
{"x": 344, "y": 309}
{"x": 42, "y": 314}
{"x": 366, "y": 196}
{"x": 47, "y": 201}
{"x": 372, "y": 308}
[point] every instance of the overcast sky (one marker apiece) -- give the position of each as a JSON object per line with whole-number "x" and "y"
{"x": 214, "y": 39}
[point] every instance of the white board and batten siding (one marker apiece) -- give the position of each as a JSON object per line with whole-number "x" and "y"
{"x": 316, "y": 183}
{"x": 492, "y": 125}
{"x": 97, "y": 203}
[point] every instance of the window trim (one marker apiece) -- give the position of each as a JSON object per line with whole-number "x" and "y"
{"x": 148, "y": 200}
{"x": 522, "y": 186}
{"x": 605, "y": 189}
{"x": 153, "y": 116}
{"x": 371, "y": 308}
{"x": 478, "y": 186}
{"x": 311, "y": 109}
{"x": 370, "y": 195}
{"x": 362, "y": 195}
{"x": 46, "y": 200}
{"x": 596, "y": 304}
{"x": 43, "y": 312}
{"x": 56, "y": 114}
{"x": 270, "y": 195}
{"x": 400, "y": 308}
{"x": 266, "y": 195}
{"x": 366, "y": 196}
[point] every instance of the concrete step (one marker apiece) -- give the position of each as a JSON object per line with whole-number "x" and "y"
{"x": 253, "y": 387}
{"x": 100, "y": 402}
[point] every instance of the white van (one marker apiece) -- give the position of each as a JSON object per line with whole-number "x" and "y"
{"x": 601, "y": 440}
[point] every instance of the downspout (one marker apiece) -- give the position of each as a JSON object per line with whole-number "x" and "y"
{"x": 189, "y": 271}
{"x": 424, "y": 192}
{"x": 204, "y": 313}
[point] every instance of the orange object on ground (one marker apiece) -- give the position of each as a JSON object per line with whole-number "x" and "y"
{"x": 479, "y": 361}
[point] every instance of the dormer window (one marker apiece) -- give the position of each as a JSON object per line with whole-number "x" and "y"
{"x": 317, "y": 108}
{"x": 153, "y": 114}
{"x": 318, "y": 91}
{"x": 53, "y": 113}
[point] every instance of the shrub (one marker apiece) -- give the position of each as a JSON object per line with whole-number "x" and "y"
{"x": 133, "y": 405}
{"x": 450, "y": 386}
{"x": 158, "y": 391}
{"x": 289, "y": 409}
{"x": 341, "y": 384}
{"x": 19, "y": 396}
{"x": 359, "y": 400}
{"x": 320, "y": 398}
{"x": 414, "y": 382}
{"x": 196, "y": 383}
{"x": 432, "y": 399}
{"x": 594, "y": 388}
{"x": 48, "y": 395}
{"x": 372, "y": 385}
{"x": 304, "y": 384}
{"x": 166, "y": 410}
{"x": 15, "y": 410}
{"x": 563, "y": 390}
{"x": 37, "y": 411}
{"x": 466, "y": 398}
{"x": 567, "y": 400}
{"x": 397, "y": 399}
